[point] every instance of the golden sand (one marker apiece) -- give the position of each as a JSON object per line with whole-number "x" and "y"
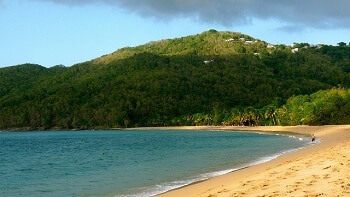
{"x": 322, "y": 169}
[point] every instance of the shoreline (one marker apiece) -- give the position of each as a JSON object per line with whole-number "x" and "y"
{"x": 274, "y": 177}
{"x": 319, "y": 169}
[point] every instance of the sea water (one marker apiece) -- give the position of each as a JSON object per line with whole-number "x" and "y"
{"x": 127, "y": 163}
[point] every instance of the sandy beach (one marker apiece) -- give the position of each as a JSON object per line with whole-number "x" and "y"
{"x": 318, "y": 170}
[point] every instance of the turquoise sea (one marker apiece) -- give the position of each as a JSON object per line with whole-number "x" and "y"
{"x": 127, "y": 163}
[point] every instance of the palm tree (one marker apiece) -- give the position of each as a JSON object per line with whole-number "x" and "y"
{"x": 270, "y": 114}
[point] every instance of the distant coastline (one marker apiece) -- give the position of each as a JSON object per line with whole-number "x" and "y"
{"x": 301, "y": 129}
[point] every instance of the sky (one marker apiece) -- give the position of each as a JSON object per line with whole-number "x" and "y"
{"x": 53, "y": 32}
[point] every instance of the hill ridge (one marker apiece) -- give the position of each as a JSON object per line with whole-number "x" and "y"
{"x": 192, "y": 44}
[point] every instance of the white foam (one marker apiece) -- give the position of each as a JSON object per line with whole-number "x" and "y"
{"x": 168, "y": 186}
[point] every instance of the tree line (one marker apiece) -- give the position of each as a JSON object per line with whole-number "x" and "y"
{"x": 325, "y": 107}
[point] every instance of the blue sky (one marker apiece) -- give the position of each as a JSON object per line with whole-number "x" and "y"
{"x": 52, "y": 32}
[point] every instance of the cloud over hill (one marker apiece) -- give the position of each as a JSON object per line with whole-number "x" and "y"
{"x": 292, "y": 13}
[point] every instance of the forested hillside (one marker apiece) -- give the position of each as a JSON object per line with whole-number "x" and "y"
{"x": 209, "y": 78}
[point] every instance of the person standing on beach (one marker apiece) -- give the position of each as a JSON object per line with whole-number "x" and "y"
{"x": 313, "y": 138}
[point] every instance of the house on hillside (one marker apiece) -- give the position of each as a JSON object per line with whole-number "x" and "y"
{"x": 207, "y": 61}
{"x": 295, "y": 50}
{"x": 269, "y": 46}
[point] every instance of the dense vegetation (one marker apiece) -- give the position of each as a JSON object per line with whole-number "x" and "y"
{"x": 210, "y": 78}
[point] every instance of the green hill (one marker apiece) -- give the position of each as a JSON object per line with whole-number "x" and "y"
{"x": 213, "y": 77}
